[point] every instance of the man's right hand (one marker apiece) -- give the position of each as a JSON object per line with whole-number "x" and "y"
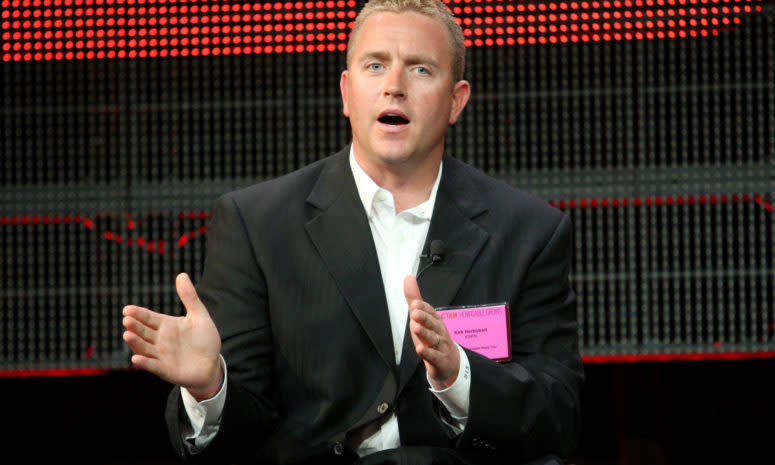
{"x": 181, "y": 350}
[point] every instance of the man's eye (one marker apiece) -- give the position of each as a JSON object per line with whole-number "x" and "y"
{"x": 375, "y": 67}
{"x": 422, "y": 70}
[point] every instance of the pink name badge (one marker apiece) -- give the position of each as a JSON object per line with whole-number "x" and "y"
{"x": 485, "y": 329}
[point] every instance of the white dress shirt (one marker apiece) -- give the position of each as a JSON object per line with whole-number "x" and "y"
{"x": 399, "y": 240}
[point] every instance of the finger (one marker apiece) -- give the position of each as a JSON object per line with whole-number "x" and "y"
{"x": 425, "y": 336}
{"x": 428, "y": 353}
{"x": 148, "y": 364}
{"x": 143, "y": 315}
{"x": 427, "y": 317}
{"x": 411, "y": 290}
{"x": 138, "y": 345}
{"x": 414, "y": 299}
{"x": 145, "y": 332}
{"x": 189, "y": 297}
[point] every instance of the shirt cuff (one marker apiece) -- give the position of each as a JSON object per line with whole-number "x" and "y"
{"x": 204, "y": 416}
{"x": 456, "y": 397}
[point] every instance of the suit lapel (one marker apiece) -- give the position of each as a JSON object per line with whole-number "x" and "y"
{"x": 457, "y": 203}
{"x": 343, "y": 239}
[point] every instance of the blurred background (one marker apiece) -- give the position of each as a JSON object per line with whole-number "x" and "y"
{"x": 650, "y": 122}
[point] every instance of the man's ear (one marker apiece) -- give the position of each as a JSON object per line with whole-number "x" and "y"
{"x": 460, "y": 95}
{"x": 343, "y": 90}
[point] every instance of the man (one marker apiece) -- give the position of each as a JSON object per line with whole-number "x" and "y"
{"x": 332, "y": 351}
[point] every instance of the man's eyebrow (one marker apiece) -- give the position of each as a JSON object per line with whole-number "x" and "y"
{"x": 410, "y": 59}
{"x": 422, "y": 59}
{"x": 382, "y": 56}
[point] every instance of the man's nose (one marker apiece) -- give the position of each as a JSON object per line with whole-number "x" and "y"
{"x": 394, "y": 84}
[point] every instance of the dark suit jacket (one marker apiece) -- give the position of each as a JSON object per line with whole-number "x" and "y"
{"x": 292, "y": 281}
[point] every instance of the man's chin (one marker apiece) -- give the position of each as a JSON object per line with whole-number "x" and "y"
{"x": 393, "y": 154}
{"x": 394, "y": 158}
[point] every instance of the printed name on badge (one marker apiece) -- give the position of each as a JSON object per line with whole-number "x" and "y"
{"x": 485, "y": 329}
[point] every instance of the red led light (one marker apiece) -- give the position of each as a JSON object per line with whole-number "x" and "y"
{"x": 30, "y": 35}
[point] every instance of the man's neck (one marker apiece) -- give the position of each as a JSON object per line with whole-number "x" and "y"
{"x": 410, "y": 184}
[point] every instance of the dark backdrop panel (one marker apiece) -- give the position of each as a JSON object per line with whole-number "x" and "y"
{"x": 660, "y": 149}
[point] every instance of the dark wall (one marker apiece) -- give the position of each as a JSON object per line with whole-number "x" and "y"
{"x": 660, "y": 150}
{"x": 684, "y": 413}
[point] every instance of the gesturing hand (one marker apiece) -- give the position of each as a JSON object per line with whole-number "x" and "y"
{"x": 181, "y": 350}
{"x": 431, "y": 339}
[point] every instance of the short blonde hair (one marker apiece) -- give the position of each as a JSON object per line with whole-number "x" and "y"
{"x": 433, "y": 9}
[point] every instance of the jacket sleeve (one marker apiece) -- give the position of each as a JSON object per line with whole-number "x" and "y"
{"x": 233, "y": 289}
{"x": 529, "y": 407}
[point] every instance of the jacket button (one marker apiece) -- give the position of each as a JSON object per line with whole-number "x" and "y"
{"x": 338, "y": 448}
{"x": 383, "y": 407}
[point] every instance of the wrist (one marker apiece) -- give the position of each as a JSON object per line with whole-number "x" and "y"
{"x": 211, "y": 389}
{"x": 447, "y": 378}
{"x": 441, "y": 385}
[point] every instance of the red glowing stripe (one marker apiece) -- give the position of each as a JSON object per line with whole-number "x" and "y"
{"x": 77, "y": 31}
{"x": 658, "y": 201}
{"x": 184, "y": 238}
{"x": 84, "y": 29}
{"x": 54, "y": 372}
{"x": 767, "y": 206}
{"x": 583, "y": 21}
{"x": 160, "y": 245}
{"x": 587, "y": 359}
{"x": 661, "y": 201}
{"x": 155, "y": 246}
{"x": 688, "y": 357}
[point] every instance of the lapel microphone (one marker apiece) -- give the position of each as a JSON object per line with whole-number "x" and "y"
{"x": 436, "y": 253}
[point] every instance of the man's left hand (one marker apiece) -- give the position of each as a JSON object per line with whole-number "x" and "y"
{"x": 431, "y": 339}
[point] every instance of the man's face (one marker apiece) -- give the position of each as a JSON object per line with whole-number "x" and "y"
{"x": 398, "y": 92}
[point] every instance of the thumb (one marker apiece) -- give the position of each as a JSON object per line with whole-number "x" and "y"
{"x": 188, "y": 296}
{"x": 411, "y": 289}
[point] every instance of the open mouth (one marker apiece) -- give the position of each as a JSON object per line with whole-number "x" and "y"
{"x": 393, "y": 119}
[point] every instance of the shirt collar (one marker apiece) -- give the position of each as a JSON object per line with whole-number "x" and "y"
{"x": 367, "y": 190}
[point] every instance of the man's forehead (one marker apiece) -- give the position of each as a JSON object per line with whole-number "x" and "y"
{"x": 374, "y": 38}
{"x": 382, "y": 18}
